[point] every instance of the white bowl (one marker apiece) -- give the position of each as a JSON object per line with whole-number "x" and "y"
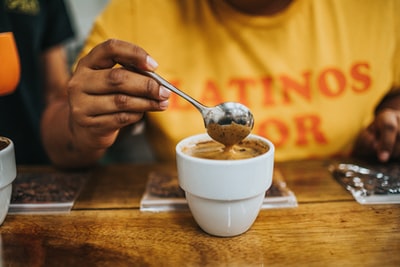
{"x": 8, "y": 172}
{"x": 224, "y": 196}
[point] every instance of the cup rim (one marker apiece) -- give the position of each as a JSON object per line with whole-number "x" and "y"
{"x": 7, "y": 163}
{"x": 9, "y": 144}
{"x": 206, "y": 137}
{"x": 193, "y": 176}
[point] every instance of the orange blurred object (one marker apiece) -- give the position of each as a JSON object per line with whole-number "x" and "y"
{"x": 9, "y": 64}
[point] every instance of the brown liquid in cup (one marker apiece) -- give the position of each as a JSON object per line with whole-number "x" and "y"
{"x": 248, "y": 148}
{"x": 3, "y": 143}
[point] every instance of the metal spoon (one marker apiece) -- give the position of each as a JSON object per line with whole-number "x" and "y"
{"x": 228, "y": 123}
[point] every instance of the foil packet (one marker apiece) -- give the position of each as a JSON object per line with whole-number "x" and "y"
{"x": 369, "y": 184}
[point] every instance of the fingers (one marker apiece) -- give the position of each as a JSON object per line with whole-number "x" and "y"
{"x": 388, "y": 134}
{"x": 365, "y": 145}
{"x": 104, "y": 97}
{"x": 381, "y": 139}
{"x": 112, "y": 52}
{"x": 117, "y": 81}
{"x": 97, "y": 105}
{"x": 98, "y": 100}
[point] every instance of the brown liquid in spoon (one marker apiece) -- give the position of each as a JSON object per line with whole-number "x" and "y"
{"x": 228, "y": 135}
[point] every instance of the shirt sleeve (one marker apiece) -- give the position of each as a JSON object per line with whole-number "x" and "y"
{"x": 58, "y": 24}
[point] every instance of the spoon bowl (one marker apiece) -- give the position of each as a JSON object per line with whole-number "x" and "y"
{"x": 227, "y": 123}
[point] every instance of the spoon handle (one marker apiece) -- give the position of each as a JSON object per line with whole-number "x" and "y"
{"x": 168, "y": 85}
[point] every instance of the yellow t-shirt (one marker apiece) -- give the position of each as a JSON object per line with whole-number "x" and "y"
{"x": 312, "y": 74}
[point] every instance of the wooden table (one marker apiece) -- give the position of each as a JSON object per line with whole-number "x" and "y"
{"x": 106, "y": 228}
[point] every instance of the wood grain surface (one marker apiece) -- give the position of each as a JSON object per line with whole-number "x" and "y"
{"x": 106, "y": 228}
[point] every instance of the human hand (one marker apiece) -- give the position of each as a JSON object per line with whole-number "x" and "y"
{"x": 381, "y": 139}
{"x": 104, "y": 97}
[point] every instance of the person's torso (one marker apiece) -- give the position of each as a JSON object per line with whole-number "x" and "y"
{"x": 312, "y": 75}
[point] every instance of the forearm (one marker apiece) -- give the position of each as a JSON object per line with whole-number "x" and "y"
{"x": 61, "y": 145}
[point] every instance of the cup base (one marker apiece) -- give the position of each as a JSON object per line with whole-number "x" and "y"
{"x": 225, "y": 218}
{"x": 5, "y": 196}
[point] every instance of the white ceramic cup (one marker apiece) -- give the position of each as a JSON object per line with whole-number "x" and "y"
{"x": 8, "y": 172}
{"x": 224, "y": 196}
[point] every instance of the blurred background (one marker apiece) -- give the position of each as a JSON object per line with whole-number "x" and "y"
{"x": 83, "y": 14}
